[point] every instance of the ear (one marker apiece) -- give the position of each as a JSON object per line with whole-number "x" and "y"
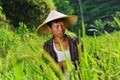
{"x": 49, "y": 29}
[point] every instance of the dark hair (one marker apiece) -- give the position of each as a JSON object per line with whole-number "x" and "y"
{"x": 55, "y": 21}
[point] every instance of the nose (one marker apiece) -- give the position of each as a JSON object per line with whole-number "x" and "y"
{"x": 61, "y": 28}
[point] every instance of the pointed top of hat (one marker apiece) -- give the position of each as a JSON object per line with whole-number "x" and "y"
{"x": 53, "y": 15}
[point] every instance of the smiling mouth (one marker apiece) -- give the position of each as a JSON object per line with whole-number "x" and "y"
{"x": 61, "y": 33}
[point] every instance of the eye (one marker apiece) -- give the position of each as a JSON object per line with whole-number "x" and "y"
{"x": 57, "y": 26}
{"x": 63, "y": 26}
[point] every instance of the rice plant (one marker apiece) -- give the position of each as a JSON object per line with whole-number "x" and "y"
{"x": 22, "y": 58}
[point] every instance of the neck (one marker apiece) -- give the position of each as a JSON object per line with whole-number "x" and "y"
{"x": 58, "y": 39}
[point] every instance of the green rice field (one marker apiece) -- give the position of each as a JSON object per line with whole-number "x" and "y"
{"x": 22, "y": 58}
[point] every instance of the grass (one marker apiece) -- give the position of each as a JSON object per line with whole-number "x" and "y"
{"x": 102, "y": 57}
{"x": 23, "y": 58}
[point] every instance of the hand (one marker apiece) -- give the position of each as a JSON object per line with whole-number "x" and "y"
{"x": 62, "y": 64}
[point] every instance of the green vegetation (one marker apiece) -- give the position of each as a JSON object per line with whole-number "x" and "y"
{"x": 33, "y": 12}
{"x": 22, "y": 56}
{"x": 30, "y": 12}
{"x": 92, "y": 10}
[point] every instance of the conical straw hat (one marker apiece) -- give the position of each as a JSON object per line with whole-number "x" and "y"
{"x": 53, "y": 15}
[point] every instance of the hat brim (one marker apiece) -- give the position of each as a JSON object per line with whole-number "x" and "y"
{"x": 70, "y": 20}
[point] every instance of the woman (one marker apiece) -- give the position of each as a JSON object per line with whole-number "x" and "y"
{"x": 56, "y": 23}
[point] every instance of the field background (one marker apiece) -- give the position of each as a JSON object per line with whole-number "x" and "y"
{"x": 21, "y": 49}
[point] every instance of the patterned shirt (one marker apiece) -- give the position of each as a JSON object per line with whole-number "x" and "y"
{"x": 72, "y": 40}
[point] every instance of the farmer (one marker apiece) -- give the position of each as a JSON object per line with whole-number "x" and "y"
{"x": 56, "y": 23}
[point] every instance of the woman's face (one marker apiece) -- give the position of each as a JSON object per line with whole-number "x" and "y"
{"x": 58, "y": 28}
